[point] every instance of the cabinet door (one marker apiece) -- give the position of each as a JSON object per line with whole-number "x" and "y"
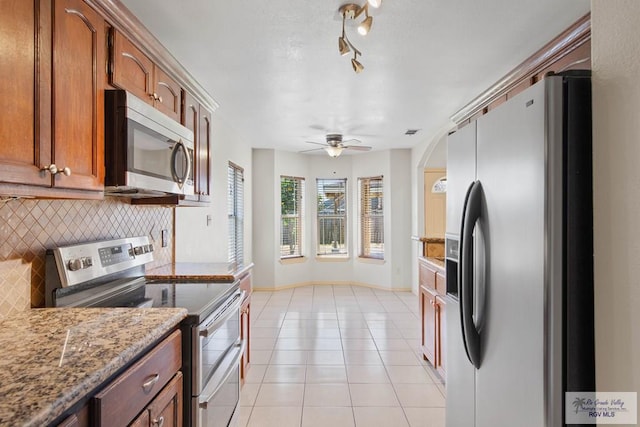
{"x": 167, "y": 94}
{"x": 428, "y": 315}
{"x": 166, "y": 409}
{"x": 441, "y": 283}
{"x": 245, "y": 334}
{"x": 79, "y": 64}
{"x": 441, "y": 307}
{"x": 23, "y": 149}
{"x": 203, "y": 177}
{"x": 131, "y": 69}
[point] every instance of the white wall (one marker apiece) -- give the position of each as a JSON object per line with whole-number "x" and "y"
{"x": 392, "y": 273}
{"x": 428, "y": 153}
{"x": 264, "y": 219}
{"x": 195, "y": 240}
{"x": 616, "y": 137}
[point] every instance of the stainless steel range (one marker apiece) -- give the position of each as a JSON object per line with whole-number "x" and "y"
{"x": 111, "y": 274}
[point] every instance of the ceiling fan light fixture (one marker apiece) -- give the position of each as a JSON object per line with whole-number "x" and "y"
{"x": 375, "y": 3}
{"x": 365, "y": 26}
{"x": 334, "y": 151}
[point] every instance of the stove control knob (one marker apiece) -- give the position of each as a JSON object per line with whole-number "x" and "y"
{"x": 75, "y": 264}
{"x": 87, "y": 262}
{"x": 138, "y": 250}
{"x": 150, "y": 247}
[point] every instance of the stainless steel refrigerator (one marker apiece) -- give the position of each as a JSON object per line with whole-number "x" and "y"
{"x": 519, "y": 258}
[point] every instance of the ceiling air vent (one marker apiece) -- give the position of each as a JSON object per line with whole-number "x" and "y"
{"x": 411, "y": 131}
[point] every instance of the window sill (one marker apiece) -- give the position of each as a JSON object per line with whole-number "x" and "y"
{"x": 333, "y": 258}
{"x": 371, "y": 260}
{"x": 293, "y": 260}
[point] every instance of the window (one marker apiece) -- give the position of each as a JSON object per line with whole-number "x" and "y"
{"x": 371, "y": 218}
{"x": 235, "y": 210}
{"x": 332, "y": 216}
{"x": 291, "y": 216}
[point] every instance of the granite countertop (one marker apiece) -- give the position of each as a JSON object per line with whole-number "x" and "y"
{"x": 53, "y": 357}
{"x": 432, "y": 239}
{"x": 209, "y": 271}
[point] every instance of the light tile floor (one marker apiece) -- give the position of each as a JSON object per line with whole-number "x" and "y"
{"x": 338, "y": 356}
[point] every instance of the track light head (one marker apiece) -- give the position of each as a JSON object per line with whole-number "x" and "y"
{"x": 343, "y": 46}
{"x": 365, "y": 26}
{"x": 357, "y": 66}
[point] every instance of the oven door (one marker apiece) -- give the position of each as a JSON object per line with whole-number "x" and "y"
{"x": 217, "y": 336}
{"x": 220, "y": 397}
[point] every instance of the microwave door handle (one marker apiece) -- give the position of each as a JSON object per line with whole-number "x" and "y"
{"x": 234, "y": 360}
{"x": 228, "y": 312}
{"x": 174, "y": 173}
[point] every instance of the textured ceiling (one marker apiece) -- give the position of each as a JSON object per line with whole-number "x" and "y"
{"x": 275, "y": 69}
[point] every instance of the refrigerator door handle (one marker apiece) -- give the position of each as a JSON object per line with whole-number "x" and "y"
{"x": 471, "y": 214}
{"x": 461, "y": 260}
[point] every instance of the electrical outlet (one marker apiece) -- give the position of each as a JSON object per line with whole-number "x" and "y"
{"x": 165, "y": 237}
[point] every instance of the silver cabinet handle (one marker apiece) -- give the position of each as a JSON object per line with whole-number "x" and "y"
{"x": 159, "y": 422}
{"x": 148, "y": 385}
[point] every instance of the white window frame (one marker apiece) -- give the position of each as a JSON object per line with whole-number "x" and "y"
{"x": 338, "y": 246}
{"x": 235, "y": 213}
{"x": 292, "y": 238}
{"x": 371, "y": 241}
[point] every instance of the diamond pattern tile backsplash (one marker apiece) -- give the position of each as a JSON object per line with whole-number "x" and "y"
{"x": 29, "y": 227}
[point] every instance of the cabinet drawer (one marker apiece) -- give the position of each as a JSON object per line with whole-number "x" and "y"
{"x": 426, "y": 275}
{"x": 128, "y": 394}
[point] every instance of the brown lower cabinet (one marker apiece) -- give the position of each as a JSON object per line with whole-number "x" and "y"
{"x": 245, "y": 325}
{"x": 165, "y": 409}
{"x": 138, "y": 389}
{"x": 432, "y": 311}
{"x": 432, "y": 289}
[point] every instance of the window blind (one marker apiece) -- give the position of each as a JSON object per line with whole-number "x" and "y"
{"x": 235, "y": 211}
{"x": 371, "y": 217}
{"x": 332, "y": 216}
{"x": 291, "y": 216}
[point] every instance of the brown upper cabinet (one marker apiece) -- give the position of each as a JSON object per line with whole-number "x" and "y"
{"x": 132, "y": 70}
{"x": 52, "y": 126}
{"x": 198, "y": 119}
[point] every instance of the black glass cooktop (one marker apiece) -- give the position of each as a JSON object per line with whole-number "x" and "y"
{"x": 200, "y": 299}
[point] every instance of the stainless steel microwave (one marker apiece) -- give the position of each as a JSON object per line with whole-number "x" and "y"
{"x": 146, "y": 152}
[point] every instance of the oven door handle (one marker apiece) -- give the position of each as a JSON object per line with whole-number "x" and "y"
{"x": 236, "y": 299}
{"x": 231, "y": 360}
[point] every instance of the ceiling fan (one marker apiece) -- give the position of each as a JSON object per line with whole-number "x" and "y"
{"x": 335, "y": 145}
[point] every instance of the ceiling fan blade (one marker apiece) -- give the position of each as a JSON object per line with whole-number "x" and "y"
{"x": 352, "y": 141}
{"x": 316, "y": 143}
{"x": 357, "y": 147}
{"x": 313, "y": 149}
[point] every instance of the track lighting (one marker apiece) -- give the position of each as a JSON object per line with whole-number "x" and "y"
{"x": 357, "y": 66}
{"x": 365, "y": 25}
{"x": 343, "y": 46}
{"x": 353, "y": 11}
